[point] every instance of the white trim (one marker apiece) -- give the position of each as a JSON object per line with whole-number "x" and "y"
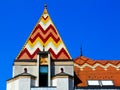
{"x": 96, "y": 65}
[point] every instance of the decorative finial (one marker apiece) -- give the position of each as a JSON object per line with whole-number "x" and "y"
{"x": 45, "y": 6}
{"x": 43, "y": 48}
{"x": 62, "y": 70}
{"x": 25, "y": 70}
{"x": 81, "y": 53}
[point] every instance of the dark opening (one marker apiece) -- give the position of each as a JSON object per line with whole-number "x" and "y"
{"x": 43, "y": 76}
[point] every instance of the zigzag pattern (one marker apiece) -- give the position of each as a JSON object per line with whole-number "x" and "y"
{"x": 54, "y": 56}
{"x": 39, "y": 45}
{"x": 98, "y": 65}
{"x": 45, "y": 34}
{"x": 44, "y": 30}
{"x": 25, "y": 51}
{"x": 57, "y": 56}
{"x": 38, "y": 40}
{"x": 45, "y": 39}
{"x": 45, "y": 18}
{"x": 83, "y": 62}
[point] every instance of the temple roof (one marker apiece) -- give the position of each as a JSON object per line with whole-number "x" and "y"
{"x": 44, "y": 34}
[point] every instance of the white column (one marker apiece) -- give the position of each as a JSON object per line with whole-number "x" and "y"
{"x": 38, "y": 60}
{"x": 49, "y": 70}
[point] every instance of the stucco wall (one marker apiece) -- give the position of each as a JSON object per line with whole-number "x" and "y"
{"x": 67, "y": 69}
{"x": 32, "y": 82}
{"x": 13, "y": 85}
{"x": 20, "y": 69}
{"x": 24, "y": 83}
{"x": 30, "y": 69}
{"x": 54, "y": 82}
{"x": 62, "y": 84}
{"x": 19, "y": 83}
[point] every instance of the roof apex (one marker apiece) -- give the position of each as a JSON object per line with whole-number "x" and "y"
{"x": 45, "y": 9}
{"x": 44, "y": 34}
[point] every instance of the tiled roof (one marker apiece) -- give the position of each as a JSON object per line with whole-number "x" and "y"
{"x": 44, "y": 34}
{"x": 88, "y": 69}
{"x": 82, "y": 60}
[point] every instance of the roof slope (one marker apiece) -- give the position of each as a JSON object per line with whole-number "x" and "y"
{"x": 44, "y": 34}
{"x": 88, "y": 69}
{"x": 83, "y": 61}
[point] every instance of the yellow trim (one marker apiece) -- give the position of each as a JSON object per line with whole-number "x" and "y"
{"x": 45, "y": 21}
{"x": 45, "y": 44}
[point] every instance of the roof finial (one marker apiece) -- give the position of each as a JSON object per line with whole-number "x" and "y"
{"x": 25, "y": 70}
{"x": 45, "y": 6}
{"x": 43, "y": 48}
{"x": 62, "y": 70}
{"x": 81, "y": 53}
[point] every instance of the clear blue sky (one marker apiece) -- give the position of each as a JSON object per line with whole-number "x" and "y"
{"x": 94, "y": 24}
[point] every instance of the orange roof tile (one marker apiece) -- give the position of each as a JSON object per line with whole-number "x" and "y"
{"x": 82, "y": 59}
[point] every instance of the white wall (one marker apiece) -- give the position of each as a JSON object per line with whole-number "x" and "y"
{"x": 20, "y": 69}
{"x": 67, "y": 69}
{"x": 54, "y": 82}
{"x": 13, "y": 85}
{"x": 32, "y": 82}
{"x": 62, "y": 84}
{"x": 30, "y": 69}
{"x": 24, "y": 83}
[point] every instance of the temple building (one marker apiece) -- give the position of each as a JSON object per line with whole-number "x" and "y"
{"x": 44, "y": 63}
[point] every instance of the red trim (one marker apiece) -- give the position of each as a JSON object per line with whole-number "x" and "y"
{"x": 50, "y": 50}
{"x": 30, "y": 56}
{"x": 44, "y": 31}
{"x": 45, "y": 39}
{"x": 59, "y": 53}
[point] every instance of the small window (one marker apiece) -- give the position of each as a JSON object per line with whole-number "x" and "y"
{"x": 44, "y": 69}
{"x": 93, "y": 83}
{"x": 107, "y": 82}
{"x": 43, "y": 76}
{"x": 100, "y": 83}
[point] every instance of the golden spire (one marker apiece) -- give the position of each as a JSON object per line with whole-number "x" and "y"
{"x": 45, "y": 9}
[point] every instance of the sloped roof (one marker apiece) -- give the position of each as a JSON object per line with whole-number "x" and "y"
{"x": 83, "y": 61}
{"x": 88, "y": 69}
{"x": 44, "y": 34}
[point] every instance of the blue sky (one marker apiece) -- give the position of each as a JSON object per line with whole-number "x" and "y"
{"x": 94, "y": 24}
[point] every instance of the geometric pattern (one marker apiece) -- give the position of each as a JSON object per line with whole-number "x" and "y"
{"x": 88, "y": 69}
{"x": 83, "y": 62}
{"x": 44, "y": 34}
{"x": 93, "y": 67}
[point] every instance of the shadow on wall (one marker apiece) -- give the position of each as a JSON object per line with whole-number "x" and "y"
{"x": 76, "y": 80}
